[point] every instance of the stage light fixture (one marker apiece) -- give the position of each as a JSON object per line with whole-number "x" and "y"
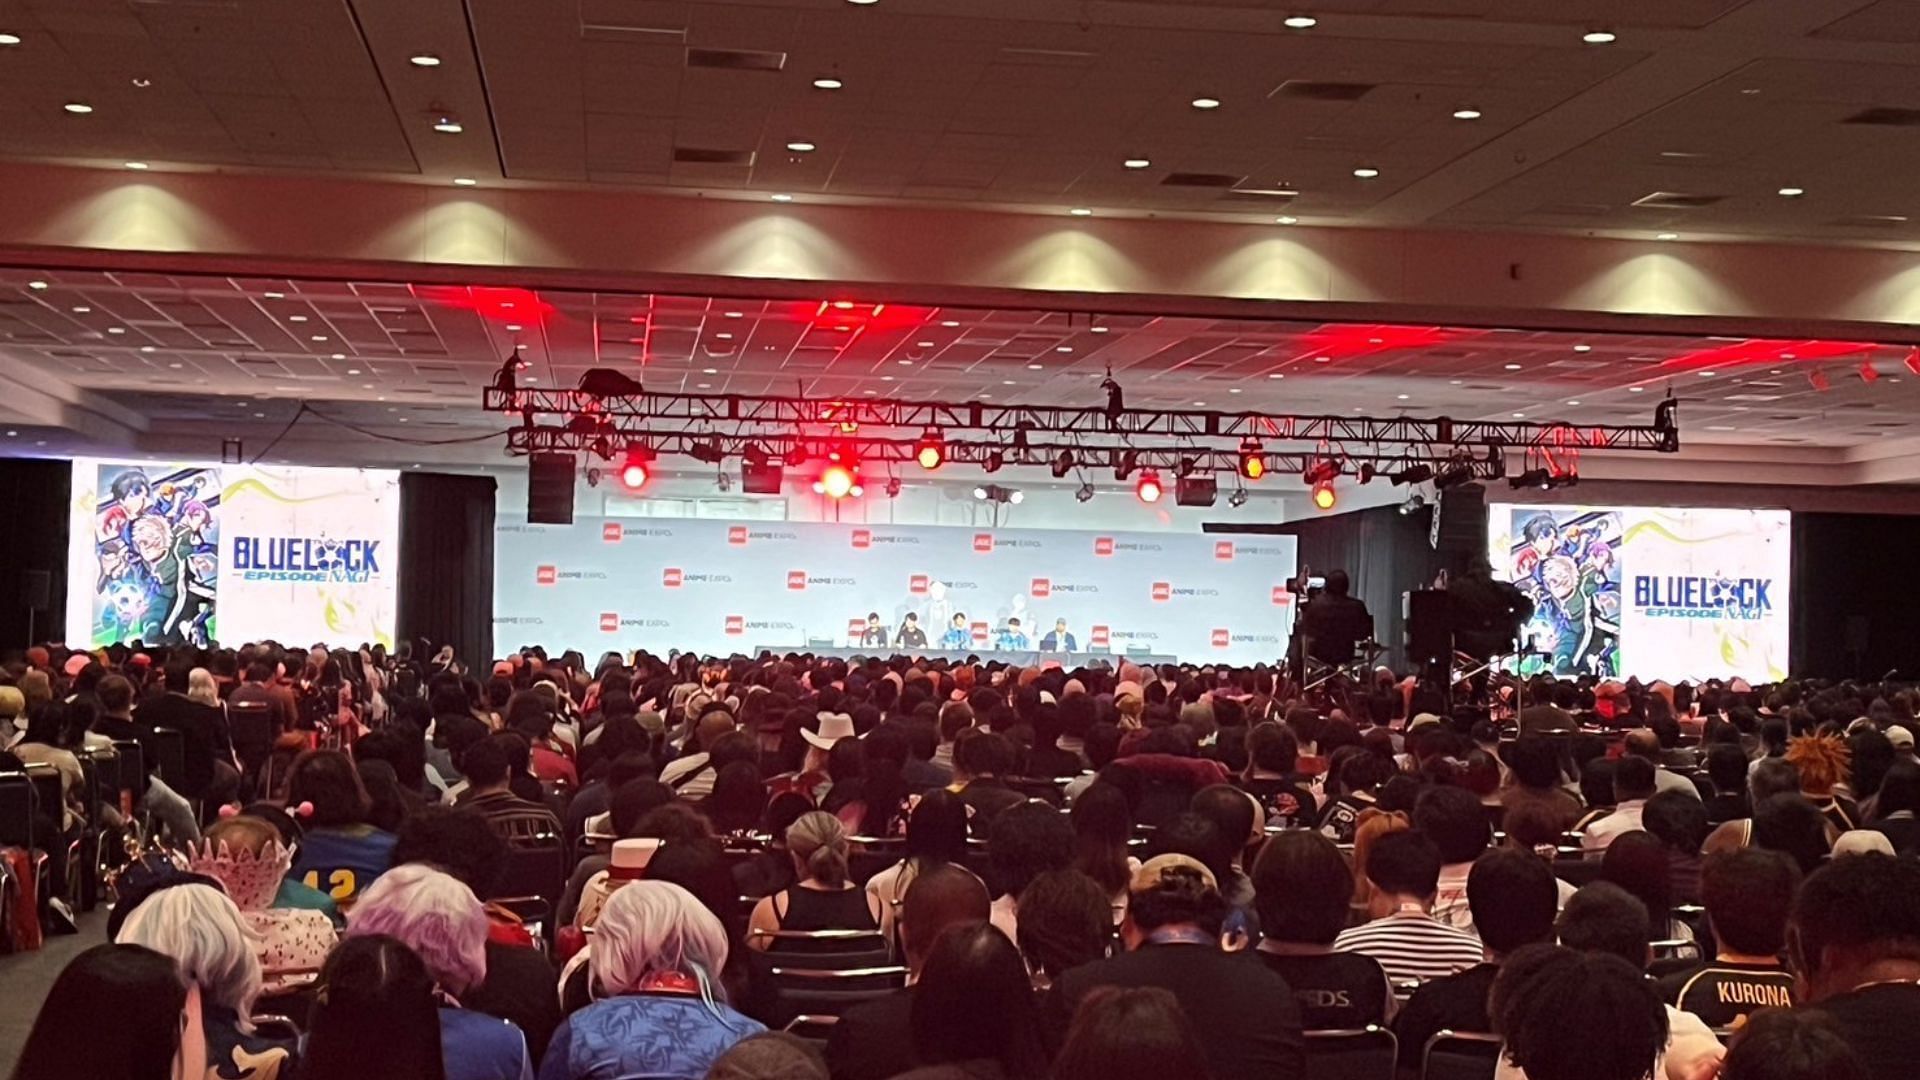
{"x": 1062, "y": 464}
{"x": 1116, "y": 399}
{"x": 1368, "y": 472}
{"x": 1323, "y": 496}
{"x": 1532, "y": 478}
{"x": 1124, "y": 463}
{"x": 1253, "y": 461}
{"x": 796, "y": 456}
{"x": 707, "y": 450}
{"x": 993, "y": 461}
{"x": 980, "y": 492}
{"x": 1414, "y": 504}
{"x": 761, "y": 477}
{"x": 1418, "y": 473}
{"x": 838, "y": 481}
{"x": 1196, "y": 490}
{"x": 1085, "y": 494}
{"x": 1453, "y": 474}
{"x": 996, "y": 493}
{"x": 606, "y": 383}
{"x": 636, "y": 470}
{"x": 1320, "y": 472}
{"x": 931, "y": 450}
{"x": 1184, "y": 468}
{"x": 1238, "y": 498}
{"x": 1148, "y": 489}
{"x": 893, "y": 487}
{"x": 593, "y": 478}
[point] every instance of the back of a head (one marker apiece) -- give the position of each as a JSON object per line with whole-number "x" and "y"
{"x": 201, "y": 929}
{"x": 1623, "y": 1023}
{"x": 328, "y": 780}
{"x": 1748, "y": 895}
{"x": 1789, "y": 824}
{"x": 1727, "y": 767}
{"x": 1338, "y": 584}
{"x": 1404, "y": 863}
{"x": 1455, "y": 821}
{"x": 1176, "y": 896}
{"x": 433, "y": 914}
{"x": 1130, "y": 1034}
{"x": 632, "y": 802}
{"x": 1535, "y": 762}
{"x": 1066, "y": 919}
{"x": 373, "y": 992}
{"x": 650, "y": 928}
{"x": 1027, "y": 839}
{"x": 1772, "y": 776}
{"x": 1791, "y": 1044}
{"x": 1231, "y": 811}
{"x": 1633, "y": 778}
{"x": 136, "y": 990}
{"x": 770, "y": 1055}
{"x": 1639, "y": 863}
{"x": 819, "y": 843}
{"x": 485, "y": 764}
{"x": 1301, "y": 888}
{"x": 939, "y": 898}
{"x": 937, "y": 828}
{"x": 1604, "y": 918}
{"x": 1863, "y": 907}
{"x": 1677, "y": 819}
{"x": 975, "y": 972}
{"x": 1514, "y": 898}
{"x": 458, "y": 841}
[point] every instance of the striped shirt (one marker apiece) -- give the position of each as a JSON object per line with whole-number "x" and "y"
{"x": 1412, "y": 945}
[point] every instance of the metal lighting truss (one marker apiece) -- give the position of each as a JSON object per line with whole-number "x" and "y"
{"x": 789, "y": 414}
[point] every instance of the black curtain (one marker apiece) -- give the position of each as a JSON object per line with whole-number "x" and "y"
{"x": 33, "y": 560}
{"x": 1385, "y": 552}
{"x": 1854, "y": 583}
{"x": 446, "y": 563}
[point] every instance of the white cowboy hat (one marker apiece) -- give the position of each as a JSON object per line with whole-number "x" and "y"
{"x": 834, "y": 726}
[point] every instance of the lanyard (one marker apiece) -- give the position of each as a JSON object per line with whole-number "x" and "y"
{"x": 1181, "y": 935}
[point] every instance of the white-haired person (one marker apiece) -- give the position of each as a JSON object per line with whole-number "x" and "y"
{"x": 203, "y": 932}
{"x": 444, "y": 923}
{"x": 656, "y": 956}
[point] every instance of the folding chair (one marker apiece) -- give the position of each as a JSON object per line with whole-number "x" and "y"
{"x": 533, "y": 881}
{"x": 784, "y": 985}
{"x": 1046, "y": 789}
{"x": 250, "y": 725}
{"x": 1367, "y": 1053}
{"x": 1460, "y": 1055}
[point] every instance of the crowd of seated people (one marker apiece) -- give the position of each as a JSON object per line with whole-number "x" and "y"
{"x": 644, "y": 867}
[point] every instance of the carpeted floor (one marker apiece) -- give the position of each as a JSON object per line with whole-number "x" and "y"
{"x": 25, "y": 979}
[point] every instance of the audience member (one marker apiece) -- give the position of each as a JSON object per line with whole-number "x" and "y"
{"x": 823, "y": 897}
{"x": 1623, "y": 1025}
{"x": 340, "y": 852}
{"x": 1301, "y": 885}
{"x": 972, "y": 970}
{"x": 1748, "y": 896}
{"x": 936, "y": 836}
{"x": 1801, "y": 1044}
{"x": 1854, "y": 940}
{"x": 375, "y": 1015}
{"x": 1412, "y": 945}
{"x": 1633, "y": 785}
{"x": 1065, "y": 921}
{"x": 1027, "y": 840}
{"x": 154, "y": 1031}
{"x": 1457, "y": 824}
{"x": 1137, "y": 1034}
{"x": 245, "y": 855}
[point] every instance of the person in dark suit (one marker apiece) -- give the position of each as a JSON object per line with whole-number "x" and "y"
{"x": 874, "y": 1040}
{"x": 1244, "y": 1014}
{"x": 1333, "y": 622}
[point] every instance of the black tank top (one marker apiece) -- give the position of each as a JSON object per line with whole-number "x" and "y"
{"x": 817, "y": 909}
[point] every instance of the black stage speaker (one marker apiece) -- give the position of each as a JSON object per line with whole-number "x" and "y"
{"x": 36, "y": 589}
{"x": 761, "y": 479}
{"x": 1195, "y": 491}
{"x": 1460, "y": 520}
{"x": 550, "y": 489}
{"x": 1429, "y": 614}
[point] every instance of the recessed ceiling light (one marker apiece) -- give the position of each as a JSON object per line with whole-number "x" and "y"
{"x": 447, "y": 125}
{"x": 78, "y": 108}
{"x": 924, "y": 344}
{"x": 886, "y": 378}
{"x": 142, "y": 82}
{"x": 1793, "y": 192}
{"x": 1519, "y": 416}
{"x": 1583, "y": 348}
{"x": 1598, "y": 37}
{"x": 1300, "y": 22}
{"x": 296, "y": 318}
{"x": 1080, "y": 211}
{"x": 146, "y": 348}
{"x": 1199, "y": 404}
{"x": 82, "y": 310}
{"x": 709, "y": 371}
{"x": 425, "y": 59}
{"x": 274, "y": 295}
{"x": 1206, "y": 103}
{"x": 9, "y": 39}
{"x": 703, "y": 386}
{"x": 259, "y": 416}
{"x": 464, "y": 181}
{"x": 1006, "y": 382}
{"x": 863, "y": 3}
{"x": 1286, "y": 219}
{"x": 724, "y": 336}
{"x": 116, "y": 329}
{"x": 1366, "y": 172}
{"x": 1468, "y": 113}
{"x": 1573, "y": 403}
{"x": 1667, "y": 236}
{"x": 1097, "y": 329}
{"x": 1063, "y": 348}
{"x": 1036, "y": 367}
{"x": 1635, "y": 389}
{"x": 353, "y": 371}
{"x": 1455, "y": 382}
{"x": 827, "y": 82}
{"x": 1513, "y": 367}
{"x": 731, "y": 314}
{"x": 36, "y": 285}
{"x": 949, "y": 322}
{"x": 904, "y": 362}
{"x": 801, "y": 146}
{"x": 136, "y": 166}
{"x": 1404, "y": 397}
{"x": 1323, "y": 359}
{"x": 1233, "y": 389}
{"x": 1706, "y": 374}
{"x": 783, "y": 197}
{"x": 1276, "y": 375}
{"x": 318, "y": 337}
{"x": 1137, "y": 163}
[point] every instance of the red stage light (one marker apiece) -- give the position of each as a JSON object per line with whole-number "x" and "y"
{"x": 837, "y": 482}
{"x": 1323, "y": 496}
{"x": 636, "y": 470}
{"x": 1148, "y": 489}
{"x": 930, "y": 451}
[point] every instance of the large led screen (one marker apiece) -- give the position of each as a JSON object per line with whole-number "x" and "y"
{"x": 1655, "y": 592}
{"x": 185, "y": 553}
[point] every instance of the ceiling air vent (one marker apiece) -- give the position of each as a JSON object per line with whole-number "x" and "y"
{"x": 1886, "y": 116}
{"x": 736, "y": 59}
{"x": 694, "y": 155}
{"x": 1309, "y": 90}
{"x": 1200, "y": 180}
{"x": 1674, "y": 200}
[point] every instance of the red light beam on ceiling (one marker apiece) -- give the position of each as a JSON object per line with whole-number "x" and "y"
{"x": 497, "y": 304}
{"x": 1764, "y": 351}
{"x": 1346, "y": 341}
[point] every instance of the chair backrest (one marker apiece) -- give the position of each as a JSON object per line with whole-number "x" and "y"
{"x": 16, "y": 810}
{"x": 535, "y": 869}
{"x": 1460, "y": 1055}
{"x": 785, "y": 991}
{"x": 170, "y": 754}
{"x": 1367, "y": 1053}
{"x": 1046, "y": 789}
{"x": 1577, "y": 872}
{"x": 250, "y": 724}
{"x": 49, "y": 798}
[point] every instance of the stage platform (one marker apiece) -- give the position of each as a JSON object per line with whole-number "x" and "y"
{"x": 1026, "y": 658}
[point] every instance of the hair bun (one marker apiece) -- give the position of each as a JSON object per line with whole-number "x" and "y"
{"x": 304, "y": 810}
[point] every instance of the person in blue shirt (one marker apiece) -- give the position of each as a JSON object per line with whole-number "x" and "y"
{"x": 1011, "y": 638}
{"x": 655, "y": 962}
{"x": 340, "y": 853}
{"x": 1059, "y": 639}
{"x": 958, "y": 636}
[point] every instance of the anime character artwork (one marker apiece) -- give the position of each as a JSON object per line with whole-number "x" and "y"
{"x": 157, "y": 541}
{"x": 1568, "y": 562}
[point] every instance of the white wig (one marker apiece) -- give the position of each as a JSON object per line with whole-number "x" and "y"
{"x": 656, "y": 927}
{"x": 434, "y": 914}
{"x": 202, "y": 688}
{"x": 202, "y": 930}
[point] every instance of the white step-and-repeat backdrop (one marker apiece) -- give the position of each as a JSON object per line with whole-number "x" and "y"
{"x": 719, "y": 587}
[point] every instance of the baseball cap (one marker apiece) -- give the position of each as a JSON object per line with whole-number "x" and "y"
{"x": 1153, "y": 870}
{"x": 1900, "y": 737}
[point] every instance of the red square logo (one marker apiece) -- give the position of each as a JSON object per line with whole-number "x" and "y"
{"x": 917, "y": 584}
{"x": 1042, "y": 587}
{"x": 546, "y": 575}
{"x": 1103, "y": 545}
{"x": 863, "y": 538}
{"x": 609, "y": 622}
{"x": 1163, "y": 590}
{"x": 983, "y": 542}
{"x": 1281, "y": 596}
{"x": 736, "y": 624}
{"x": 796, "y": 579}
{"x": 1222, "y": 639}
{"x": 1101, "y": 635}
{"x": 671, "y": 577}
{"x": 1223, "y": 549}
{"x": 979, "y": 632}
{"x": 856, "y": 627}
{"x": 611, "y": 532}
{"x": 736, "y": 534}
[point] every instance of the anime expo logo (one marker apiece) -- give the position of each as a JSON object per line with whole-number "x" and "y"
{"x": 546, "y": 575}
{"x": 983, "y": 543}
{"x": 737, "y": 625}
{"x": 1222, "y": 638}
{"x": 1046, "y": 588}
{"x": 611, "y": 622}
{"x": 864, "y": 539}
{"x": 1164, "y": 591}
{"x": 1223, "y": 550}
{"x": 1682, "y": 597}
{"x": 673, "y": 577}
{"x": 740, "y": 535}
{"x": 1106, "y": 546}
{"x": 1100, "y": 636}
{"x": 553, "y": 575}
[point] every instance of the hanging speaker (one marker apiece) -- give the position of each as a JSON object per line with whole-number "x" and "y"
{"x": 36, "y": 589}
{"x": 550, "y": 489}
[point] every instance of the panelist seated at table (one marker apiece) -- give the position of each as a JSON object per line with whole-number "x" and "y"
{"x": 874, "y": 635}
{"x": 910, "y": 635}
{"x": 957, "y": 635}
{"x": 1059, "y": 639}
{"x": 1011, "y": 638}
